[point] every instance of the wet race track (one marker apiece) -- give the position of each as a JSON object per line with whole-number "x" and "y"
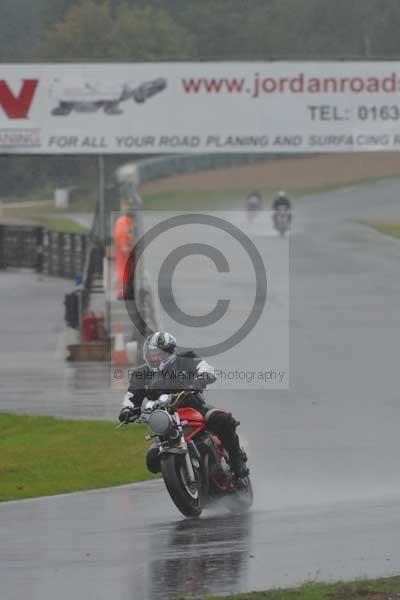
{"x": 324, "y": 453}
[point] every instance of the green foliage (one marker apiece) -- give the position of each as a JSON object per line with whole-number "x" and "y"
{"x": 60, "y": 30}
{"x": 93, "y": 31}
{"x": 20, "y": 174}
{"x": 20, "y": 28}
{"x": 84, "y": 34}
{"x": 219, "y": 29}
{"x": 291, "y": 29}
{"x": 148, "y": 34}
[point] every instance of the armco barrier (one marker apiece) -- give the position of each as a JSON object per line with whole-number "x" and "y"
{"x": 45, "y": 251}
{"x": 19, "y": 246}
{"x": 154, "y": 168}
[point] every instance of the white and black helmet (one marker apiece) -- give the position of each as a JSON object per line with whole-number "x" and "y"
{"x": 282, "y": 199}
{"x": 159, "y": 350}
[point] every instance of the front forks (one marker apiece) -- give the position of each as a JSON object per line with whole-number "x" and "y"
{"x": 183, "y": 449}
{"x": 189, "y": 467}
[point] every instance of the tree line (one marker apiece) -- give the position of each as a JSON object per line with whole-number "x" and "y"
{"x": 134, "y": 30}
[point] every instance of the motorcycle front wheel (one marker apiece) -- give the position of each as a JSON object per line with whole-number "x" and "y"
{"x": 186, "y": 496}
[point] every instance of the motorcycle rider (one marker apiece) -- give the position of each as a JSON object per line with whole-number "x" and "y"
{"x": 166, "y": 371}
{"x": 281, "y": 201}
{"x": 253, "y": 201}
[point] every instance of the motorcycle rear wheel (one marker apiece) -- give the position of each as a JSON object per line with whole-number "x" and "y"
{"x": 187, "y": 498}
{"x": 241, "y": 500}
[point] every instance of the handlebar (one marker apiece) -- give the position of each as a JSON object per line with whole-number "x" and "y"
{"x": 165, "y": 401}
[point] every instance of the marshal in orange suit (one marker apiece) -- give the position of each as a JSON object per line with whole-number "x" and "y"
{"x": 124, "y": 241}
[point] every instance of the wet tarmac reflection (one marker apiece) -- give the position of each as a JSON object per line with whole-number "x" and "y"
{"x": 200, "y": 555}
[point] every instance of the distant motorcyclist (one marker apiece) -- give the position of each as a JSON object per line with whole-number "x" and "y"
{"x": 254, "y": 201}
{"x": 281, "y": 201}
{"x": 166, "y": 371}
{"x": 282, "y": 212}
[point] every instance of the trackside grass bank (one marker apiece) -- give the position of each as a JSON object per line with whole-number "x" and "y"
{"x": 387, "y": 227}
{"x": 374, "y": 589}
{"x": 41, "y": 456}
{"x": 192, "y": 200}
{"x": 63, "y": 224}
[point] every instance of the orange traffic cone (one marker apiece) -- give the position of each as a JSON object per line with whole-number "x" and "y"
{"x": 119, "y": 355}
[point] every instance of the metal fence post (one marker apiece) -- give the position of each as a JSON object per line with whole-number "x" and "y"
{"x": 61, "y": 254}
{"x": 84, "y": 249}
{"x": 139, "y": 267}
{"x": 101, "y": 198}
{"x": 39, "y": 250}
{"x": 72, "y": 252}
{"x": 50, "y": 255}
{"x": 2, "y": 257}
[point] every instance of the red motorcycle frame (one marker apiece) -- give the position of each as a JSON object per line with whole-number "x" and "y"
{"x": 196, "y": 423}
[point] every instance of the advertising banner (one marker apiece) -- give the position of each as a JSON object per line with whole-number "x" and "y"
{"x": 153, "y": 108}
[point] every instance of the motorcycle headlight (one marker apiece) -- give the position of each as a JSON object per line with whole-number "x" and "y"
{"x": 160, "y": 422}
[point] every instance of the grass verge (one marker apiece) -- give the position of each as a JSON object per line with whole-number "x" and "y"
{"x": 193, "y": 201}
{"x": 27, "y": 211}
{"x": 42, "y": 456}
{"x": 387, "y": 227}
{"x": 62, "y": 224}
{"x": 37, "y": 215}
{"x": 235, "y": 198}
{"x": 208, "y": 201}
{"x": 179, "y": 200}
{"x": 373, "y": 589}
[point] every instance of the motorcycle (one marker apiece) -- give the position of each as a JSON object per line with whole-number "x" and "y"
{"x": 281, "y": 219}
{"x": 253, "y": 206}
{"x": 194, "y": 463}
